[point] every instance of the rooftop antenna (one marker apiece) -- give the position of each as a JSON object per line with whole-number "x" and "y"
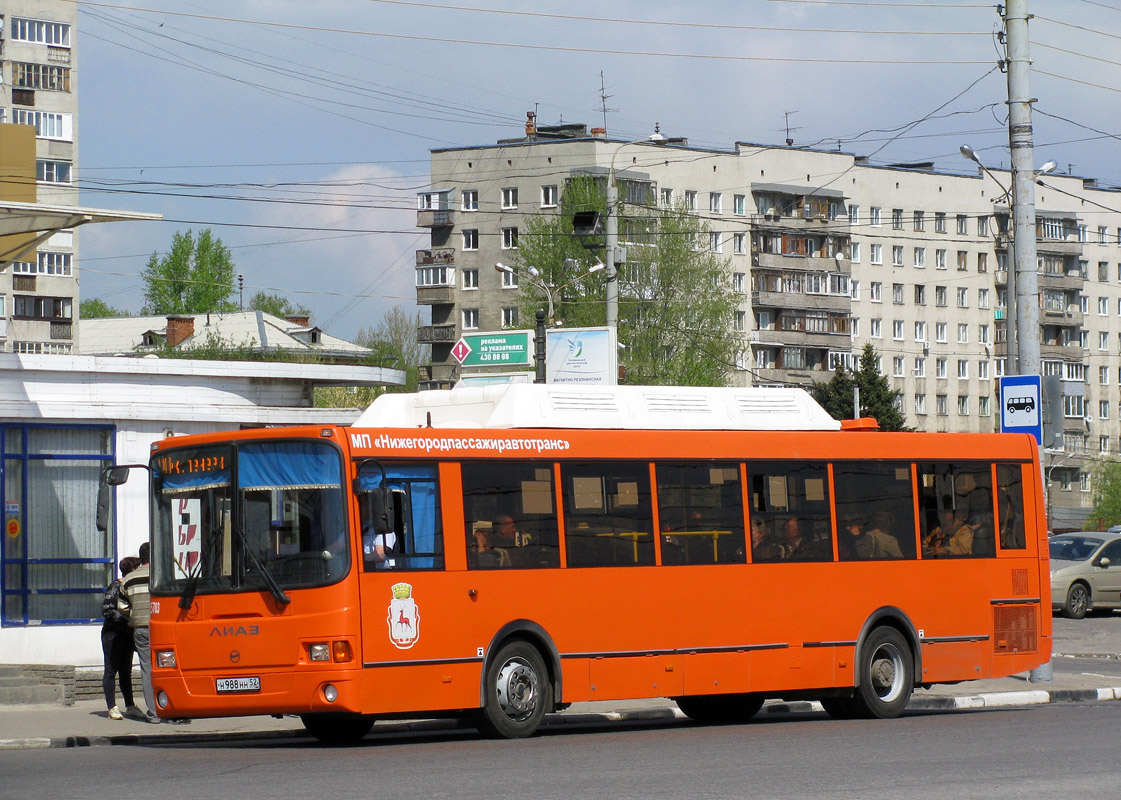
{"x": 789, "y": 139}
{"x": 603, "y": 98}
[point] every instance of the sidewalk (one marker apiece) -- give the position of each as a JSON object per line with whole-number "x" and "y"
{"x": 86, "y": 723}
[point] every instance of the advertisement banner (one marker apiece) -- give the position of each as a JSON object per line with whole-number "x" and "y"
{"x": 586, "y": 356}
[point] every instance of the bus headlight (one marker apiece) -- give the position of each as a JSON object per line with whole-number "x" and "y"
{"x": 330, "y": 693}
{"x": 165, "y": 658}
{"x": 319, "y": 652}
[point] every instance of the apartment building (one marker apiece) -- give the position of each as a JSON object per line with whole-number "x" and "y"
{"x": 828, "y": 252}
{"x": 38, "y": 67}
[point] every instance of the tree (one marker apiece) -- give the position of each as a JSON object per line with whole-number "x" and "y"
{"x": 276, "y": 305}
{"x": 394, "y": 342}
{"x": 676, "y": 304}
{"x": 194, "y": 277}
{"x": 96, "y": 308}
{"x": 1107, "y": 496}
{"x": 877, "y": 398}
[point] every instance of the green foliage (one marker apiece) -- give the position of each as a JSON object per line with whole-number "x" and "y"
{"x": 96, "y": 308}
{"x": 1107, "y": 496}
{"x": 195, "y": 277}
{"x": 276, "y": 305}
{"x": 676, "y": 305}
{"x": 394, "y": 343}
{"x": 877, "y": 398}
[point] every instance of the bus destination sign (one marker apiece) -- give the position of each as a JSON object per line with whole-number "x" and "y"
{"x": 495, "y": 349}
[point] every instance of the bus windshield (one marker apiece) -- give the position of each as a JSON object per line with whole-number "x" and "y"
{"x": 248, "y": 517}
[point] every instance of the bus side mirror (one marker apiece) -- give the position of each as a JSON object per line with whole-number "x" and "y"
{"x": 383, "y": 509}
{"x": 115, "y": 476}
{"x": 104, "y": 501}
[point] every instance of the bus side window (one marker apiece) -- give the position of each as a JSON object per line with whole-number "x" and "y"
{"x": 417, "y": 538}
{"x": 608, "y": 521}
{"x": 510, "y": 514}
{"x": 1010, "y": 506}
{"x": 700, "y": 513}
{"x": 794, "y": 498}
{"x": 957, "y": 510}
{"x": 875, "y": 510}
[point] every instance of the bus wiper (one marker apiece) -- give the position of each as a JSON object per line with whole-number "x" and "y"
{"x": 277, "y": 593}
{"x": 190, "y": 589}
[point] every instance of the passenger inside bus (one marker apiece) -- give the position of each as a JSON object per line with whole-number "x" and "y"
{"x": 888, "y": 544}
{"x": 799, "y": 545}
{"x": 763, "y": 547}
{"x": 952, "y": 537}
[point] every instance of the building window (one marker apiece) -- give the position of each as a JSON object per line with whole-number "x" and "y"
{"x": 690, "y": 200}
{"x": 1103, "y": 376}
{"x": 875, "y": 289}
{"x": 920, "y": 257}
{"x": 470, "y": 200}
{"x": 738, "y": 204}
{"x": 715, "y": 203}
{"x": 940, "y": 295}
{"x": 667, "y": 198}
{"x": 920, "y": 331}
{"x": 45, "y": 77}
{"x": 470, "y": 239}
{"x": 982, "y": 262}
{"x": 920, "y": 294}
{"x": 47, "y": 263}
{"x": 920, "y": 368}
{"x": 470, "y": 279}
{"x": 37, "y": 31}
{"x": 920, "y": 220}
{"x": 427, "y": 277}
{"x": 509, "y": 280}
{"x": 738, "y": 282}
{"x": 940, "y": 259}
{"x": 876, "y": 254}
{"x": 963, "y": 333}
{"x": 963, "y": 369}
{"x": 983, "y": 406}
{"x": 920, "y": 403}
{"x": 1103, "y": 340}
{"x": 854, "y": 290}
{"x": 897, "y": 330}
{"x": 1103, "y": 306}
{"x": 982, "y": 225}
{"x": 854, "y": 252}
{"x": 854, "y": 214}
{"x": 983, "y": 334}
{"x": 48, "y": 125}
{"x": 42, "y": 348}
{"x": 470, "y": 319}
{"x": 897, "y": 219}
{"x": 940, "y": 332}
{"x": 509, "y": 317}
{"x": 549, "y": 196}
{"x": 940, "y": 368}
{"x": 897, "y": 294}
{"x": 963, "y": 405}
{"x": 741, "y": 321}
{"x": 738, "y": 240}
{"x": 875, "y": 328}
{"x": 509, "y": 238}
{"x": 29, "y": 307}
{"x": 963, "y": 261}
{"x": 897, "y": 255}
{"x": 52, "y": 171}
{"x": 939, "y": 222}
{"x": 714, "y": 245}
{"x": 982, "y": 298}
{"x": 874, "y": 217}
{"x": 982, "y": 370}
{"x": 897, "y": 366}
{"x": 963, "y": 297}
{"x": 962, "y": 222}
{"x": 510, "y": 197}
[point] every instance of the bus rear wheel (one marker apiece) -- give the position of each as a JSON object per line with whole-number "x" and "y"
{"x": 517, "y": 692}
{"x": 337, "y": 728}
{"x": 887, "y": 675}
{"x": 720, "y": 708}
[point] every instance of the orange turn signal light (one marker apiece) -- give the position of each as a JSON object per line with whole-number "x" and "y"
{"x": 340, "y": 651}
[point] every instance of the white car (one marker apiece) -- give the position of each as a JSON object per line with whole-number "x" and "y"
{"x": 1085, "y": 572}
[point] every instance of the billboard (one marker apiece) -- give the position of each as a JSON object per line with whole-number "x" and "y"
{"x": 587, "y": 356}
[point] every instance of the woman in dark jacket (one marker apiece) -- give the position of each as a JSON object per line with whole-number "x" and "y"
{"x": 116, "y": 643}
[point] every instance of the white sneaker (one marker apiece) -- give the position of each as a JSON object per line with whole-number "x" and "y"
{"x": 115, "y": 713}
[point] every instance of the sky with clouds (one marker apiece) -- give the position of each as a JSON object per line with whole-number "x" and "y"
{"x": 299, "y": 132}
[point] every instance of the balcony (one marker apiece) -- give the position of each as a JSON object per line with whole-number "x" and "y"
{"x": 434, "y": 218}
{"x": 1054, "y": 280}
{"x": 801, "y": 301}
{"x": 1058, "y": 246}
{"x": 826, "y": 341}
{"x": 436, "y": 257}
{"x": 62, "y": 330}
{"x": 436, "y": 334}
{"x": 1068, "y": 352}
{"x": 1072, "y": 317}
{"x": 434, "y": 295}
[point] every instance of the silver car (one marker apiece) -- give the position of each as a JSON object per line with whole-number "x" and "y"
{"x": 1085, "y": 572}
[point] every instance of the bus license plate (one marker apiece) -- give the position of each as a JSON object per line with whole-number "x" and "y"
{"x": 239, "y": 685}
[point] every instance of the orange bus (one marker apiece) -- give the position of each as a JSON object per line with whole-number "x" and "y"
{"x": 499, "y": 553}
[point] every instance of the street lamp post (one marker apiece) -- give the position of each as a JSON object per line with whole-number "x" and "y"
{"x": 611, "y": 229}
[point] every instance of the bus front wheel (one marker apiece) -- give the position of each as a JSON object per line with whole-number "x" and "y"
{"x": 517, "y": 692}
{"x": 887, "y": 675}
{"x": 337, "y": 728}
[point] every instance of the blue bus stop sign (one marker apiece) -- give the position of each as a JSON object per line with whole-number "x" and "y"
{"x": 1021, "y": 405}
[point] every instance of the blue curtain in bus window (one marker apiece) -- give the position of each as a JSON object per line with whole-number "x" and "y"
{"x": 419, "y": 482}
{"x": 288, "y": 465}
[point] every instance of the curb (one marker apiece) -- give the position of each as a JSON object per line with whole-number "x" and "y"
{"x": 560, "y": 720}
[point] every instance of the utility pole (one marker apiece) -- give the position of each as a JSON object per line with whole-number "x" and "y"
{"x": 1018, "y": 65}
{"x": 1023, "y": 185}
{"x": 611, "y": 240}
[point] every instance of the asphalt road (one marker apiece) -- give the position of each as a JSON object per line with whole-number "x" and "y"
{"x": 1046, "y": 751}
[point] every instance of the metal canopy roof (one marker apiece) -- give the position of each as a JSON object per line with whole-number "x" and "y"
{"x": 46, "y": 220}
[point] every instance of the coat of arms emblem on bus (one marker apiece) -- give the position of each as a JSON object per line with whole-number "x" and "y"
{"x": 404, "y": 617}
